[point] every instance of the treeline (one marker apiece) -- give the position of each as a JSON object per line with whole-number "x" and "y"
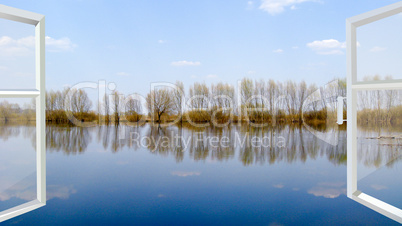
{"x": 254, "y": 101}
{"x": 379, "y": 106}
{"x": 13, "y": 112}
{"x": 75, "y": 102}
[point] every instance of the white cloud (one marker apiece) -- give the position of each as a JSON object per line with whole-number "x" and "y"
{"x": 25, "y": 46}
{"x": 185, "y": 174}
{"x": 278, "y": 185}
{"x": 327, "y": 47}
{"x": 193, "y": 76}
{"x": 378, "y": 187}
{"x": 295, "y": 47}
{"x": 16, "y": 47}
{"x": 250, "y": 5}
{"x": 274, "y": 7}
{"x": 185, "y": 63}
{"x": 278, "y": 51}
{"x": 376, "y": 49}
{"x": 122, "y": 74}
{"x": 251, "y": 72}
{"x": 161, "y": 41}
{"x": 326, "y": 44}
{"x": 59, "y": 45}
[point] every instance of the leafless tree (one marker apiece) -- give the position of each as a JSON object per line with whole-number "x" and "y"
{"x": 178, "y": 99}
{"x": 5, "y": 110}
{"x": 302, "y": 93}
{"x": 133, "y": 109}
{"x": 222, "y": 96}
{"x": 199, "y": 102}
{"x": 116, "y": 100}
{"x": 80, "y": 102}
{"x": 291, "y": 97}
{"x": 160, "y": 102}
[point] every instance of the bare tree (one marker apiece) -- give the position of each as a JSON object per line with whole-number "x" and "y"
{"x": 5, "y": 110}
{"x": 105, "y": 108}
{"x": 291, "y": 101}
{"x": 200, "y": 98}
{"x": 272, "y": 95}
{"x": 51, "y": 100}
{"x": 116, "y": 101}
{"x": 390, "y": 100}
{"x": 222, "y": 95}
{"x": 133, "y": 109}
{"x": 159, "y": 103}
{"x": 178, "y": 99}
{"x": 80, "y": 102}
{"x": 301, "y": 96}
{"x": 246, "y": 92}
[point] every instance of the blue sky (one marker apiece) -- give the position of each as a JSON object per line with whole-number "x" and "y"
{"x": 134, "y": 43}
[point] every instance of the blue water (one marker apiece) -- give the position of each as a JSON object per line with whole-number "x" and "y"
{"x": 95, "y": 176}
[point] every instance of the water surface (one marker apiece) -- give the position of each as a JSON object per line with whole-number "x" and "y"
{"x": 177, "y": 175}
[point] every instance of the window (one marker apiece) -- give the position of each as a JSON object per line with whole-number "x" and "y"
{"x": 353, "y": 86}
{"x": 39, "y": 94}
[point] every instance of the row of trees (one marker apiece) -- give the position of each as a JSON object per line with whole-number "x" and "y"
{"x": 256, "y": 101}
{"x": 379, "y": 106}
{"x": 12, "y": 111}
{"x": 76, "y": 101}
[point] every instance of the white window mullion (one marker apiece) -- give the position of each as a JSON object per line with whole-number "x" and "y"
{"x": 38, "y": 21}
{"x": 352, "y": 87}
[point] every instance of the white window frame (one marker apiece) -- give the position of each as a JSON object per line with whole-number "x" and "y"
{"x": 38, "y": 21}
{"x": 352, "y": 87}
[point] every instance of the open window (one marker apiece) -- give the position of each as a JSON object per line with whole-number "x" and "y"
{"x": 38, "y": 94}
{"x": 355, "y": 86}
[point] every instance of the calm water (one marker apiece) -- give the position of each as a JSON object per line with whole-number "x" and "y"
{"x": 144, "y": 175}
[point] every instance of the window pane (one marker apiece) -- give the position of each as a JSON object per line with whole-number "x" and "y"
{"x": 17, "y": 55}
{"x": 17, "y": 152}
{"x": 379, "y": 50}
{"x": 380, "y": 145}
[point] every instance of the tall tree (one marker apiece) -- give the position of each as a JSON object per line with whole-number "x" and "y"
{"x": 116, "y": 100}
{"x": 159, "y": 103}
{"x": 178, "y": 99}
{"x": 133, "y": 109}
{"x": 5, "y": 110}
{"x": 80, "y": 102}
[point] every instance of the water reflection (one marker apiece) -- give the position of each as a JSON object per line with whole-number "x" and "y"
{"x": 328, "y": 190}
{"x": 26, "y": 190}
{"x": 9, "y": 131}
{"x": 283, "y": 143}
{"x": 69, "y": 140}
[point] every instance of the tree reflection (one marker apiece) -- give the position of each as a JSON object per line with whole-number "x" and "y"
{"x": 7, "y": 131}
{"x": 219, "y": 144}
{"x": 69, "y": 140}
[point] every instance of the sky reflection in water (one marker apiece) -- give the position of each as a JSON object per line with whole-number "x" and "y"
{"x": 96, "y": 177}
